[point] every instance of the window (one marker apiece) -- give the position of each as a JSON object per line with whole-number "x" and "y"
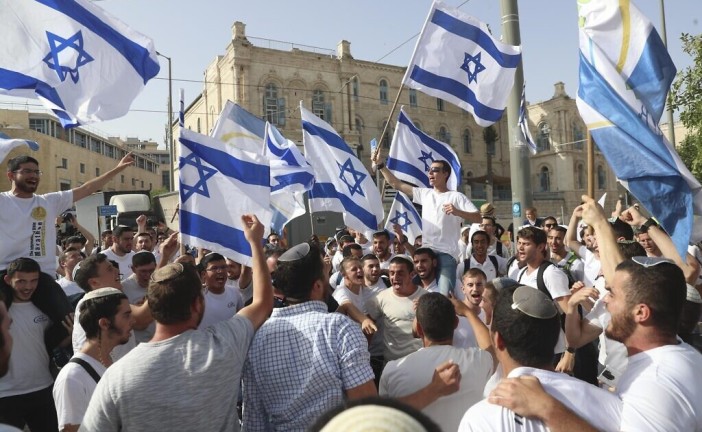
{"x": 354, "y": 88}
{"x": 97, "y": 172}
{"x": 601, "y": 178}
{"x": 578, "y": 137}
{"x": 544, "y": 180}
{"x": 39, "y": 125}
{"x": 385, "y": 142}
{"x": 121, "y": 177}
{"x": 319, "y": 107}
{"x": 467, "y": 147}
{"x": 383, "y": 88}
{"x": 439, "y": 104}
{"x": 95, "y": 145}
{"x": 133, "y": 182}
{"x": 579, "y": 176}
{"x": 443, "y": 135}
{"x": 413, "y": 98}
{"x": 273, "y": 106}
{"x": 543, "y": 139}
{"x": 109, "y": 151}
{"x": 80, "y": 139}
{"x": 198, "y": 125}
{"x": 165, "y": 179}
{"x": 64, "y": 163}
{"x": 142, "y": 184}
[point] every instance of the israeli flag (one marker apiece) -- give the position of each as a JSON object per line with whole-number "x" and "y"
{"x": 80, "y": 62}
{"x": 243, "y": 130}
{"x": 7, "y": 144}
{"x": 412, "y": 153}
{"x": 525, "y": 137}
{"x": 403, "y": 214}
{"x": 219, "y": 183}
{"x": 625, "y": 75}
{"x": 456, "y": 59}
{"x": 342, "y": 183}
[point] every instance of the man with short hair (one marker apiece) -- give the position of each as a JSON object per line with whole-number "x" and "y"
{"x": 425, "y": 263}
{"x": 136, "y": 285}
{"x": 107, "y": 319}
{"x": 343, "y": 241}
{"x": 67, "y": 261}
{"x": 221, "y": 301}
{"x": 492, "y": 265}
{"x": 525, "y": 328}
{"x": 331, "y": 363}
{"x": 25, "y": 392}
{"x": 532, "y": 218}
{"x": 495, "y": 247}
{"x": 566, "y": 260}
{"x": 143, "y": 242}
{"x": 273, "y": 239}
{"x": 105, "y": 241}
{"x": 395, "y": 308}
{"x": 588, "y": 250}
{"x": 381, "y": 248}
{"x": 443, "y": 212}
{"x": 473, "y": 285}
{"x": 336, "y": 280}
{"x": 184, "y": 379}
{"x": 647, "y": 243}
{"x": 121, "y": 251}
{"x": 239, "y": 278}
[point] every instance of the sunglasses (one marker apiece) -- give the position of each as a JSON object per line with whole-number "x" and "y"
{"x": 435, "y": 170}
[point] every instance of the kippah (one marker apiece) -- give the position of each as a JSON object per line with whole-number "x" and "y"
{"x": 295, "y": 253}
{"x": 101, "y": 292}
{"x": 693, "y": 295}
{"x": 504, "y": 283}
{"x": 375, "y": 418}
{"x": 532, "y": 302}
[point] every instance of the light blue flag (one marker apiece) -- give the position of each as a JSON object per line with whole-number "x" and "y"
{"x": 525, "y": 138}
{"x": 82, "y": 63}
{"x": 342, "y": 183}
{"x": 456, "y": 59}
{"x": 625, "y": 74}
{"x": 403, "y": 214}
{"x": 413, "y": 151}
{"x": 219, "y": 183}
{"x": 7, "y": 144}
{"x": 243, "y": 130}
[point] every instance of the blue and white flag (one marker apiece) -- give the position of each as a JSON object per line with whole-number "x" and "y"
{"x": 219, "y": 183}
{"x": 525, "y": 137}
{"x": 342, "y": 183}
{"x": 412, "y": 153}
{"x": 456, "y": 59}
{"x": 7, "y": 144}
{"x": 82, "y": 63}
{"x": 243, "y": 130}
{"x": 403, "y": 214}
{"x": 625, "y": 75}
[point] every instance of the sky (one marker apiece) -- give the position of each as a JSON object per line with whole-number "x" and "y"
{"x": 193, "y": 33}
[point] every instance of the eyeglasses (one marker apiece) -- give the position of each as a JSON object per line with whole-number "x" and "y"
{"x": 28, "y": 171}
{"x": 167, "y": 273}
{"x": 216, "y": 269}
{"x": 435, "y": 170}
{"x": 646, "y": 261}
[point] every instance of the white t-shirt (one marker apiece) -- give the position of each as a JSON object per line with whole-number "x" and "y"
{"x": 78, "y": 338}
{"x": 592, "y": 266}
{"x": 27, "y": 227}
{"x": 344, "y": 295}
{"x": 577, "y": 267}
{"x": 662, "y": 390}
{"x": 220, "y": 307}
{"x": 135, "y": 294}
{"x": 397, "y": 314}
{"x": 599, "y": 407}
{"x": 411, "y": 373}
{"x": 29, "y": 363}
{"x": 557, "y": 285}
{"x": 69, "y": 287}
{"x": 385, "y": 265}
{"x": 125, "y": 262}
{"x": 441, "y": 231}
{"x": 612, "y": 354}
{"x": 463, "y": 335}
{"x": 73, "y": 388}
{"x": 487, "y": 267}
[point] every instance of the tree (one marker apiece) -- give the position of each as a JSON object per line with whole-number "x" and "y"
{"x": 686, "y": 97}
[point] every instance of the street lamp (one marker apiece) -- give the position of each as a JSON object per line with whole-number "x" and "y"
{"x": 169, "y": 128}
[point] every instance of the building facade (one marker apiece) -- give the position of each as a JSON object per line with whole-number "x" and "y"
{"x": 270, "y": 79}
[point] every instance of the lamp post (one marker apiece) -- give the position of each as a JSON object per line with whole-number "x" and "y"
{"x": 169, "y": 128}
{"x": 671, "y": 128}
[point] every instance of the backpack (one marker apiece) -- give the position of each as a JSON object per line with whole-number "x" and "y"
{"x": 541, "y": 285}
{"x": 493, "y": 260}
{"x": 566, "y": 269}
{"x": 498, "y": 247}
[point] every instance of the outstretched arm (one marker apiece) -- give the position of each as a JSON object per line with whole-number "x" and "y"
{"x": 262, "y": 305}
{"x": 98, "y": 183}
{"x": 390, "y": 178}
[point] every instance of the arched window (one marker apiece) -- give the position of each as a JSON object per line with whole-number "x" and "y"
{"x": 467, "y": 145}
{"x": 544, "y": 180}
{"x": 273, "y": 106}
{"x": 383, "y": 88}
{"x": 543, "y": 139}
{"x": 601, "y": 178}
{"x": 319, "y": 106}
{"x": 580, "y": 176}
{"x": 443, "y": 135}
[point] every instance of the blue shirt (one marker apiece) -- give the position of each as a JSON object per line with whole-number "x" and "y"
{"x": 299, "y": 365}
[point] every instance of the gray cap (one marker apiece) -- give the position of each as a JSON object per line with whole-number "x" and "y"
{"x": 295, "y": 253}
{"x": 532, "y": 302}
{"x": 102, "y": 292}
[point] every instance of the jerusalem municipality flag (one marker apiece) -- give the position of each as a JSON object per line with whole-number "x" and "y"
{"x": 7, "y": 144}
{"x": 412, "y": 153}
{"x": 403, "y": 214}
{"x": 342, "y": 183}
{"x": 82, "y": 63}
{"x": 243, "y": 130}
{"x": 456, "y": 59}
{"x": 219, "y": 183}
{"x": 625, "y": 75}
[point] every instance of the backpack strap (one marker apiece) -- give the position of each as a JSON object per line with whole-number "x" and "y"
{"x": 540, "y": 284}
{"x": 87, "y": 368}
{"x": 498, "y": 247}
{"x": 466, "y": 264}
{"x": 493, "y": 260}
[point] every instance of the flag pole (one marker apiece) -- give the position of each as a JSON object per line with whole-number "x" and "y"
{"x": 181, "y": 125}
{"x": 387, "y": 123}
{"x": 590, "y": 166}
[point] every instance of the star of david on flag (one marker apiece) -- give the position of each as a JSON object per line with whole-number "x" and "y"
{"x": 412, "y": 152}
{"x": 219, "y": 183}
{"x": 403, "y": 213}
{"x": 342, "y": 183}
{"x": 47, "y": 42}
{"x": 457, "y": 59}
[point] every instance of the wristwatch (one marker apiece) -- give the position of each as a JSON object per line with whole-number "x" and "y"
{"x": 570, "y": 350}
{"x": 380, "y": 166}
{"x": 649, "y": 223}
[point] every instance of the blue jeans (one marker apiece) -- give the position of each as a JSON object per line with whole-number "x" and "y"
{"x": 446, "y": 273}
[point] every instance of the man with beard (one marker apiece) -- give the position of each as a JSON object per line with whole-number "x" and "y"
{"x": 381, "y": 248}
{"x": 184, "y": 379}
{"x": 221, "y": 301}
{"x": 425, "y": 266}
{"x": 661, "y": 388}
{"x": 121, "y": 251}
{"x": 107, "y": 319}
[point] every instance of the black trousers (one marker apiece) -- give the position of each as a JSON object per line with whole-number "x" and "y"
{"x": 35, "y": 410}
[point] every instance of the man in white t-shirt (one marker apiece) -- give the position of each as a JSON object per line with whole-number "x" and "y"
{"x": 560, "y": 256}
{"x": 68, "y": 260}
{"x": 524, "y": 330}
{"x": 661, "y": 388}
{"x": 135, "y": 286}
{"x": 425, "y": 263}
{"x": 435, "y": 323}
{"x": 221, "y": 301}
{"x": 107, "y": 320}
{"x": 381, "y": 248}
{"x": 239, "y": 278}
{"x": 443, "y": 212}
{"x": 588, "y": 251}
{"x": 492, "y": 265}
{"x": 121, "y": 250}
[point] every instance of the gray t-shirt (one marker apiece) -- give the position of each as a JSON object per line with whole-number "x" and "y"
{"x": 187, "y": 382}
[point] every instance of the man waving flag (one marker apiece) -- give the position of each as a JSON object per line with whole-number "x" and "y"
{"x": 82, "y": 63}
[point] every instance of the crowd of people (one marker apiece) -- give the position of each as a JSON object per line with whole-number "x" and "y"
{"x": 589, "y": 325}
